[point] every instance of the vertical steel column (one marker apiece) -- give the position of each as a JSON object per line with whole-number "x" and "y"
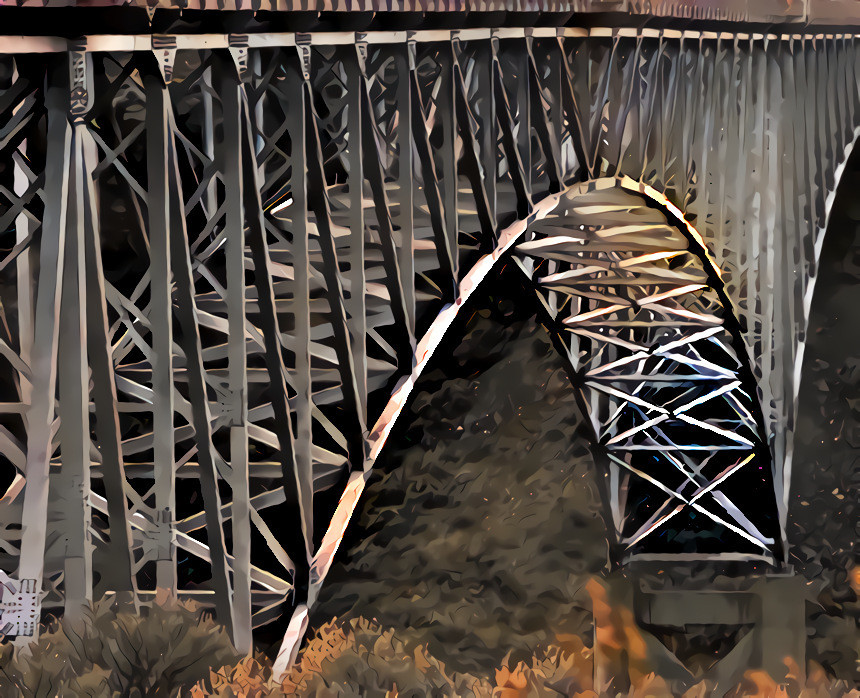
{"x": 298, "y": 481}
{"x": 375, "y": 175}
{"x": 161, "y": 175}
{"x": 547, "y": 125}
{"x": 523, "y": 110}
{"x": 298, "y": 73}
{"x": 201, "y": 417}
{"x": 73, "y": 481}
{"x": 40, "y": 415}
{"x": 554, "y": 81}
{"x": 229, "y": 159}
{"x": 318, "y": 203}
{"x": 25, "y": 228}
{"x": 519, "y": 176}
{"x": 485, "y": 108}
{"x": 445, "y": 111}
{"x": 432, "y": 193}
{"x": 355, "y": 304}
{"x": 211, "y": 196}
{"x": 298, "y": 491}
{"x": 471, "y": 151}
{"x": 579, "y": 135}
{"x": 119, "y": 575}
{"x": 404, "y": 218}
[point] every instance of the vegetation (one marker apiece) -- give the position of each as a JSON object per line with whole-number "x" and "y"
{"x": 158, "y": 653}
{"x": 483, "y": 526}
{"x": 174, "y": 651}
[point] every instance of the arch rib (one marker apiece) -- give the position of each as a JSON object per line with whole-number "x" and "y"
{"x": 382, "y": 429}
{"x": 425, "y": 350}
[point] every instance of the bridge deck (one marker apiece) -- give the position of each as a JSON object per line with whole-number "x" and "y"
{"x": 407, "y": 14}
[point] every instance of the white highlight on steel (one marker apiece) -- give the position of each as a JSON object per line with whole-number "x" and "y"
{"x": 280, "y": 207}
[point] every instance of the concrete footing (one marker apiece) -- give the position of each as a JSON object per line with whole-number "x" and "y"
{"x": 692, "y": 625}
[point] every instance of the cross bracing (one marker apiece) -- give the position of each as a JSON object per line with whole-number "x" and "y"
{"x": 640, "y": 314}
{"x": 228, "y": 258}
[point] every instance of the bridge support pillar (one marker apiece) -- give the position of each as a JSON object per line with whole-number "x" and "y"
{"x": 689, "y": 626}
{"x": 783, "y": 624}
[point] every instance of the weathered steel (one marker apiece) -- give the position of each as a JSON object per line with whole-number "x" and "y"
{"x": 833, "y": 12}
{"x": 404, "y": 194}
{"x": 119, "y": 576}
{"x": 159, "y": 222}
{"x": 260, "y": 192}
{"x": 372, "y": 167}
{"x": 355, "y": 305}
{"x": 73, "y": 480}
{"x": 201, "y": 419}
{"x": 43, "y": 364}
{"x": 231, "y": 164}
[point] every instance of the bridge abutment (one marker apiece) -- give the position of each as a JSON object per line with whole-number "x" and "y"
{"x": 688, "y": 625}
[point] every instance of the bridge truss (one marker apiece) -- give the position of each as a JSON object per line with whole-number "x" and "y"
{"x": 228, "y": 258}
{"x": 639, "y": 311}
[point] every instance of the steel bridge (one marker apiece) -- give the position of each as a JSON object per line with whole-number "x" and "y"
{"x": 227, "y": 258}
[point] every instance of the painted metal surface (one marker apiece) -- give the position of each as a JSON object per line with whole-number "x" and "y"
{"x": 834, "y": 12}
{"x": 639, "y": 312}
{"x": 254, "y": 244}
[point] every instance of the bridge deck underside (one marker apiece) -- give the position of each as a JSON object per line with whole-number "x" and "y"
{"x": 838, "y": 13}
{"x": 219, "y": 264}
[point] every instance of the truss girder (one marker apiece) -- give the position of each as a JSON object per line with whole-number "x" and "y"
{"x": 639, "y": 311}
{"x": 239, "y": 259}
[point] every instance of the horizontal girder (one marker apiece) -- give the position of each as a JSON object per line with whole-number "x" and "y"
{"x": 829, "y": 12}
{"x": 20, "y": 45}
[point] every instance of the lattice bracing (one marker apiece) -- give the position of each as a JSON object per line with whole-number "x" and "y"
{"x": 23, "y": 193}
{"x": 654, "y": 348}
{"x": 226, "y": 259}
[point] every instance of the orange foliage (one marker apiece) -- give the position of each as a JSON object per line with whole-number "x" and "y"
{"x": 512, "y": 683}
{"x": 854, "y": 579}
{"x": 340, "y": 654}
{"x": 249, "y": 678}
{"x": 617, "y": 638}
{"x": 360, "y": 655}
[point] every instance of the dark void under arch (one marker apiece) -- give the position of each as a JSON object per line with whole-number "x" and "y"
{"x": 822, "y": 505}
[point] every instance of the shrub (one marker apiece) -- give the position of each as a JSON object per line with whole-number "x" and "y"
{"x": 553, "y": 671}
{"x": 348, "y": 658}
{"x": 169, "y": 651}
{"x": 159, "y": 653}
{"x": 249, "y": 678}
{"x": 360, "y": 658}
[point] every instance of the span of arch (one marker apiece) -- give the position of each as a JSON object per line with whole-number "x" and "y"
{"x": 523, "y": 240}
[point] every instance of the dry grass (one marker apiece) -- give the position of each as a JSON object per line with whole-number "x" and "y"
{"x": 361, "y": 658}
{"x": 176, "y": 651}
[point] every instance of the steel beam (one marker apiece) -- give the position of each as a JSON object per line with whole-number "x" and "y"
{"x": 41, "y": 414}
{"x": 159, "y": 220}
{"x": 231, "y": 162}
